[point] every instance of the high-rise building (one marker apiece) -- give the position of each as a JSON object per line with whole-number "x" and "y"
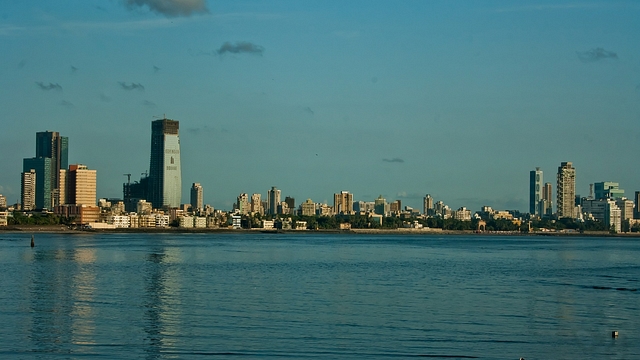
{"x": 49, "y": 144}
{"x": 165, "y": 176}
{"x": 535, "y": 191}
{"x": 343, "y": 203}
{"x": 256, "y": 204}
{"x": 380, "y": 205}
{"x": 242, "y": 204}
{"x": 636, "y": 209}
{"x": 428, "y": 205}
{"x": 291, "y": 202}
{"x": 608, "y": 190}
{"x": 44, "y": 188}
{"x": 273, "y": 200}
{"x": 28, "y": 190}
{"x": 308, "y": 208}
{"x": 197, "y": 202}
{"x": 81, "y": 185}
{"x": 566, "y": 190}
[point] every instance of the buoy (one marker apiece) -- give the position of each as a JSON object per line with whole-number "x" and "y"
{"x": 32, "y": 243}
{"x": 614, "y": 334}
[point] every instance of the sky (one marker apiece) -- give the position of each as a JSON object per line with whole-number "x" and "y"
{"x": 457, "y": 99}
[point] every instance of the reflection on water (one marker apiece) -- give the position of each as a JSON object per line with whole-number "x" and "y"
{"x": 162, "y": 304}
{"x": 181, "y": 296}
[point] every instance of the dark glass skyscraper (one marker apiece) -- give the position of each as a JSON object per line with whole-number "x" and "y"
{"x": 165, "y": 179}
{"x": 44, "y": 188}
{"x": 50, "y": 144}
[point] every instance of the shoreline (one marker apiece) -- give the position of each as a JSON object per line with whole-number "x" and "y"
{"x": 60, "y": 229}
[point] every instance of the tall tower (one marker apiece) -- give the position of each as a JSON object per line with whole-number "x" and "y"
{"x": 81, "y": 185}
{"x": 273, "y": 200}
{"x": 44, "y": 188}
{"x": 49, "y": 144}
{"x": 566, "y": 190}
{"x": 428, "y": 205}
{"x": 28, "y": 190}
{"x": 343, "y": 203}
{"x": 197, "y": 203}
{"x": 535, "y": 191}
{"x": 165, "y": 175}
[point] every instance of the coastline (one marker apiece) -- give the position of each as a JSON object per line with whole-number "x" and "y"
{"x": 60, "y": 229}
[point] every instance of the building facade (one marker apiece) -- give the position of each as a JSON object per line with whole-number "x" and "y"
{"x": 81, "y": 185}
{"x": 273, "y": 200}
{"x": 197, "y": 199}
{"x": 343, "y": 203}
{"x": 44, "y": 188}
{"x": 49, "y": 144}
{"x": 28, "y": 190}
{"x": 566, "y": 190}
{"x": 165, "y": 175}
{"x": 535, "y": 191}
{"x": 427, "y": 205}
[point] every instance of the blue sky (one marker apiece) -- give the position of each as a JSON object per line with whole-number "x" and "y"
{"x": 456, "y": 99}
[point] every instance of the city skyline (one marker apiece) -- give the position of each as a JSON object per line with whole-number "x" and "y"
{"x": 459, "y": 101}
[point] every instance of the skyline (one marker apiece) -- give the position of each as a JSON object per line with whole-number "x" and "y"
{"x": 369, "y": 97}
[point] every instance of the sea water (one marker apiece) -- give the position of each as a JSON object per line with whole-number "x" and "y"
{"x": 253, "y": 295}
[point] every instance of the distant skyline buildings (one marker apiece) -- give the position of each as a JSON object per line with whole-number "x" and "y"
{"x": 566, "y": 190}
{"x": 50, "y": 144}
{"x": 165, "y": 173}
{"x": 343, "y": 203}
{"x": 273, "y": 200}
{"x": 197, "y": 196}
{"x": 535, "y": 191}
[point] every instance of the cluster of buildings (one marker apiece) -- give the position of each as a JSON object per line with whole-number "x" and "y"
{"x": 606, "y": 202}
{"x": 49, "y": 183}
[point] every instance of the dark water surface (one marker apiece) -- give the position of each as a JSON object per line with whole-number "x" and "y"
{"x": 223, "y": 296}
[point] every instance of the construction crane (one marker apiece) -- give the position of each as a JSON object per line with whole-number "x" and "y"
{"x": 128, "y": 178}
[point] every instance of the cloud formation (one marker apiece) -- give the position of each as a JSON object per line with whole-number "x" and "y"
{"x": 596, "y": 55}
{"x": 50, "y": 86}
{"x": 394, "y": 160}
{"x": 309, "y": 111}
{"x": 171, "y": 8}
{"x": 240, "y": 47}
{"x": 66, "y": 104}
{"x": 149, "y": 103}
{"x": 132, "y": 86}
{"x": 73, "y": 69}
{"x": 155, "y": 69}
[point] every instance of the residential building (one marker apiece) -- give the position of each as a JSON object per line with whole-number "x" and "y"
{"x": 144, "y": 208}
{"x": 462, "y": 214}
{"x": 3, "y": 202}
{"x": 343, "y": 203}
{"x": 28, "y": 190}
{"x": 428, "y": 205}
{"x": 44, "y": 188}
{"x": 547, "y": 196}
{"x": 165, "y": 176}
{"x": 197, "y": 203}
{"x": 395, "y": 207}
{"x": 308, "y": 208}
{"x": 364, "y": 206}
{"x": 273, "y": 200}
{"x": 256, "y": 204}
{"x": 626, "y": 209}
{"x": 535, "y": 191}
{"x": 380, "y": 205}
{"x": 242, "y": 204}
{"x": 566, "y": 190}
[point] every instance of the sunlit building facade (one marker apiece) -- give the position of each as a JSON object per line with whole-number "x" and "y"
{"x": 165, "y": 176}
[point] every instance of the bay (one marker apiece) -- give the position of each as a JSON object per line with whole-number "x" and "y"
{"x": 254, "y": 295}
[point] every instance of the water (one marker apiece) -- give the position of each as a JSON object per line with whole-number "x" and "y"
{"x": 229, "y": 296}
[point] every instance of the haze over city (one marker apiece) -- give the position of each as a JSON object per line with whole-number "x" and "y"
{"x": 459, "y": 100}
